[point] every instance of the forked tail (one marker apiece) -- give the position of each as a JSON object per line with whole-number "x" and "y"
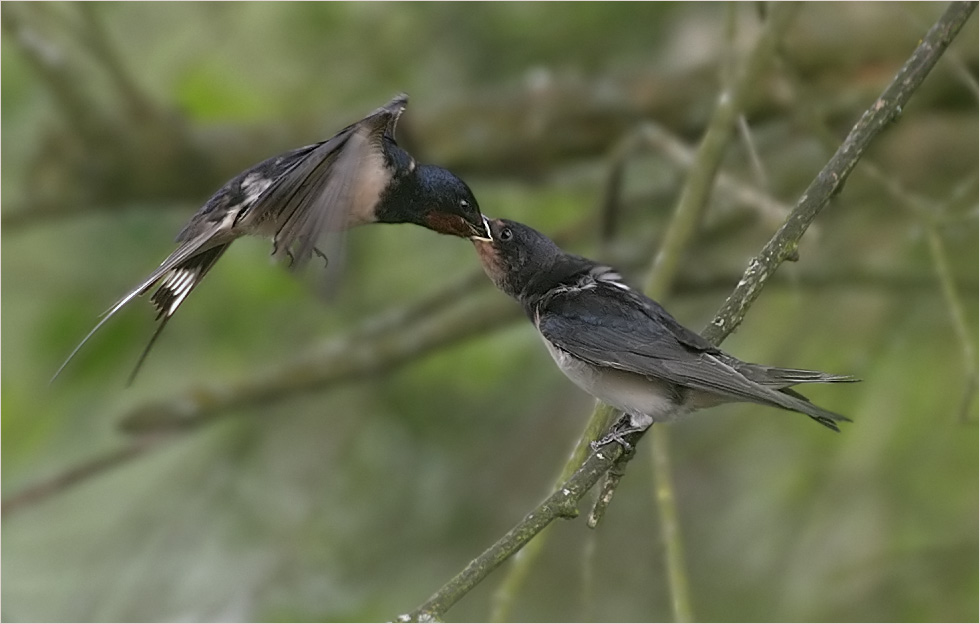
{"x": 180, "y": 273}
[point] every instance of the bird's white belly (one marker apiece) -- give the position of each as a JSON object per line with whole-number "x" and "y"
{"x": 645, "y": 400}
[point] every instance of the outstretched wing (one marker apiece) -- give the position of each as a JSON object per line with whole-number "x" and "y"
{"x": 334, "y": 186}
{"x": 633, "y": 333}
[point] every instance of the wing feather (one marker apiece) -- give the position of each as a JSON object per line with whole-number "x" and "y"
{"x": 635, "y": 334}
{"x": 334, "y": 186}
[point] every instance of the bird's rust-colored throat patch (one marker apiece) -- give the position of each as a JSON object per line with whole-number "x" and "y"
{"x": 491, "y": 261}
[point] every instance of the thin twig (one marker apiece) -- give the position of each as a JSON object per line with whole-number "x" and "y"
{"x": 928, "y": 213}
{"x": 938, "y": 252}
{"x": 612, "y": 191}
{"x": 652, "y": 135}
{"x": 607, "y": 490}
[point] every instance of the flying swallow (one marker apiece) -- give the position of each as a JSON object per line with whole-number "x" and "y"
{"x": 304, "y": 197}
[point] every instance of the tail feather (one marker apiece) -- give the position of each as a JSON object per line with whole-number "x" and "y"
{"x": 775, "y": 385}
{"x": 725, "y": 378}
{"x": 173, "y": 291}
{"x": 185, "y": 253}
{"x": 798, "y": 403}
{"x": 784, "y": 377}
{"x": 105, "y": 317}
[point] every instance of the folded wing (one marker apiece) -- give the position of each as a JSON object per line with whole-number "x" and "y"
{"x": 635, "y": 334}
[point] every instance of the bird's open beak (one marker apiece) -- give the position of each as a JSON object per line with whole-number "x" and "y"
{"x": 483, "y": 234}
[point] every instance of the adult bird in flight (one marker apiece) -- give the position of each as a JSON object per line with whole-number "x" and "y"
{"x": 303, "y": 198}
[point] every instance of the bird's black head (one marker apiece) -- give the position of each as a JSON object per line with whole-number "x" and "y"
{"x": 519, "y": 260}
{"x": 435, "y": 198}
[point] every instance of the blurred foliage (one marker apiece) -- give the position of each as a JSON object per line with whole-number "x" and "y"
{"x": 355, "y": 503}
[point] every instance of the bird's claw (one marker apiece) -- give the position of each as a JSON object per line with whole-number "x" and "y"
{"x": 617, "y": 433}
{"x": 613, "y": 436}
{"x": 326, "y": 261}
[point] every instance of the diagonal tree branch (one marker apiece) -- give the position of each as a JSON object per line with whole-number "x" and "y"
{"x": 828, "y": 182}
{"x": 79, "y": 474}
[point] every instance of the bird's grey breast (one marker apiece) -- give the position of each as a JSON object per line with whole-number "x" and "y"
{"x": 646, "y": 400}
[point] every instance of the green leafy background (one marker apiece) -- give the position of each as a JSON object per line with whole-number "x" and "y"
{"x": 358, "y": 501}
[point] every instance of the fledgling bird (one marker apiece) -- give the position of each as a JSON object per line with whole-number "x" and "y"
{"x": 300, "y": 198}
{"x": 624, "y": 348}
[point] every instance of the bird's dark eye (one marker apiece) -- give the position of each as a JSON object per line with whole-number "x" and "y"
{"x": 505, "y": 234}
{"x": 464, "y": 204}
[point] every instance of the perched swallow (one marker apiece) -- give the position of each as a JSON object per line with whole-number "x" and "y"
{"x": 299, "y": 198}
{"x": 624, "y": 348}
